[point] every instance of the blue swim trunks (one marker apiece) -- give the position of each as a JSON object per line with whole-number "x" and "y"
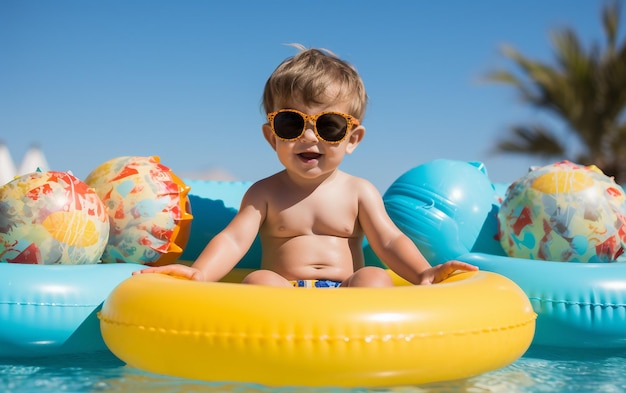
{"x": 315, "y": 283}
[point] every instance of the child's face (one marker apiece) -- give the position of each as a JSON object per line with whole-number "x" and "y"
{"x": 309, "y": 156}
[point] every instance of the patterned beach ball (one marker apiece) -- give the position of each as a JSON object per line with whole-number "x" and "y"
{"x": 148, "y": 208}
{"x": 564, "y": 212}
{"x": 51, "y": 218}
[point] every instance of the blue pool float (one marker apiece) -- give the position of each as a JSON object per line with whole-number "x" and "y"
{"x": 51, "y": 309}
{"x": 449, "y": 208}
{"x": 579, "y": 305}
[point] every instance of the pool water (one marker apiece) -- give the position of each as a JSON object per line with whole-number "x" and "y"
{"x": 539, "y": 370}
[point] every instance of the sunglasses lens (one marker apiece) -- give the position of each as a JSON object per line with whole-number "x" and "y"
{"x": 332, "y": 127}
{"x": 288, "y": 125}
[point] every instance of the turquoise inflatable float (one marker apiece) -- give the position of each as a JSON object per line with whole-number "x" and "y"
{"x": 50, "y": 310}
{"x": 449, "y": 208}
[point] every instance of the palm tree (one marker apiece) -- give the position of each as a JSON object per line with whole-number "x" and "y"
{"x": 586, "y": 89}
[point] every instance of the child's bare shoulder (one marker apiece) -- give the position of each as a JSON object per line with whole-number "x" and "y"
{"x": 260, "y": 190}
{"x": 266, "y": 184}
{"x": 360, "y": 186}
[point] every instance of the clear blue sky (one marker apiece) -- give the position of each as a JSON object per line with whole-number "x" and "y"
{"x": 92, "y": 80}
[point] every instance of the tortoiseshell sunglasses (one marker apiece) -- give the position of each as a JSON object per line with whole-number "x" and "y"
{"x": 331, "y": 127}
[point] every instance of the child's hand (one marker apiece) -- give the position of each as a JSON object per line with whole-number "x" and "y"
{"x": 440, "y": 272}
{"x": 177, "y": 270}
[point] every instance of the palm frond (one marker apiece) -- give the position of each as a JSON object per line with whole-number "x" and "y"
{"x": 585, "y": 87}
{"x": 531, "y": 139}
{"x": 610, "y": 23}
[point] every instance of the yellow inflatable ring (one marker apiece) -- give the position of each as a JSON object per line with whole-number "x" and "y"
{"x": 405, "y": 335}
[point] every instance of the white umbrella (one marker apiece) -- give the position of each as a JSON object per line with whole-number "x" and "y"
{"x": 33, "y": 160}
{"x": 7, "y": 167}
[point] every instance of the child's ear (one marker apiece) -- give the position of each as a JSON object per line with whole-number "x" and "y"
{"x": 355, "y": 137}
{"x": 269, "y": 135}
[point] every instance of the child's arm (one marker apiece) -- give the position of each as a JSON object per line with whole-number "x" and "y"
{"x": 227, "y": 248}
{"x": 393, "y": 247}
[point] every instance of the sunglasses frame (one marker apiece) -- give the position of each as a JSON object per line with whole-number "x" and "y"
{"x": 351, "y": 122}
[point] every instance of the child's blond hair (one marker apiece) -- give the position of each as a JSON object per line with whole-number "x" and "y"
{"x": 308, "y": 76}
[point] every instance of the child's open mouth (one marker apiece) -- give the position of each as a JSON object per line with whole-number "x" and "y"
{"x": 309, "y": 156}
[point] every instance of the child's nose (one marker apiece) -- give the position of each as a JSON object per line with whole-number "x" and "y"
{"x": 309, "y": 134}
